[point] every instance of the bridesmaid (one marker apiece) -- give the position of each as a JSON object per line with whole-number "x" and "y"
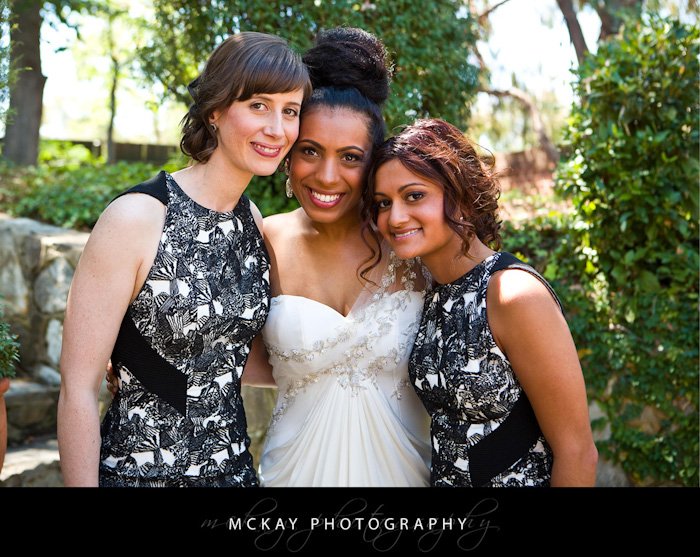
{"x": 493, "y": 362}
{"x": 173, "y": 286}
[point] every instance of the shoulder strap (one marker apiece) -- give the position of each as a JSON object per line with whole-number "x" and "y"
{"x": 155, "y": 187}
{"x": 509, "y": 261}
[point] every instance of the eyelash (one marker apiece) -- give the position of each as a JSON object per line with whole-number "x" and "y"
{"x": 257, "y": 106}
{"x": 411, "y": 197}
{"x": 347, "y": 157}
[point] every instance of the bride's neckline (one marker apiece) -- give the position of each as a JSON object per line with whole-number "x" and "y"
{"x": 352, "y": 308}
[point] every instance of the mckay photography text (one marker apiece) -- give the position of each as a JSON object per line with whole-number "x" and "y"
{"x": 269, "y": 527}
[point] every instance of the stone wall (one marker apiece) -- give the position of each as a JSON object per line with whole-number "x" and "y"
{"x": 37, "y": 262}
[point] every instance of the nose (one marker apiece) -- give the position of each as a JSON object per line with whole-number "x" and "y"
{"x": 275, "y": 127}
{"x": 398, "y": 215}
{"x": 328, "y": 172}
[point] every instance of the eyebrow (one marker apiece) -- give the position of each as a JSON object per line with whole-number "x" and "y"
{"x": 268, "y": 98}
{"x": 401, "y": 188}
{"x": 322, "y": 148}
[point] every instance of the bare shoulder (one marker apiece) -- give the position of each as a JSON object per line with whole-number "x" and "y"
{"x": 133, "y": 210}
{"x": 281, "y": 225}
{"x": 257, "y": 216}
{"x": 513, "y": 289}
{"x": 129, "y": 221}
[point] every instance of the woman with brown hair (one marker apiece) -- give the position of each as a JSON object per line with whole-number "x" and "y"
{"x": 173, "y": 286}
{"x": 493, "y": 362}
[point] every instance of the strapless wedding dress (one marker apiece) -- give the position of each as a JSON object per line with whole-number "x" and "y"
{"x": 346, "y": 414}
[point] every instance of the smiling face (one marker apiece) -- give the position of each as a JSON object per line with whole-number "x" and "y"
{"x": 255, "y": 135}
{"x": 410, "y": 215}
{"x": 328, "y": 163}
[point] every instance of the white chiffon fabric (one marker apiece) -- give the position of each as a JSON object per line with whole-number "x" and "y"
{"x": 346, "y": 414}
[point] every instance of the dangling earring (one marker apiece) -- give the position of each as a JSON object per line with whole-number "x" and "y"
{"x": 288, "y": 188}
{"x": 213, "y": 127}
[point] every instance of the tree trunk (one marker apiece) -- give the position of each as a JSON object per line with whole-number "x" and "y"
{"x": 26, "y": 94}
{"x": 537, "y": 124}
{"x": 111, "y": 153}
{"x": 610, "y": 14}
{"x": 572, "y": 24}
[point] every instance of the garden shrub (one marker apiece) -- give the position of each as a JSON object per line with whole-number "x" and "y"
{"x": 632, "y": 176}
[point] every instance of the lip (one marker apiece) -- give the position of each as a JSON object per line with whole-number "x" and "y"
{"x": 266, "y": 150}
{"x": 325, "y": 204}
{"x": 402, "y": 235}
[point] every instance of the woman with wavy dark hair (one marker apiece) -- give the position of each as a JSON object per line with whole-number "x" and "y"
{"x": 173, "y": 285}
{"x": 493, "y": 362}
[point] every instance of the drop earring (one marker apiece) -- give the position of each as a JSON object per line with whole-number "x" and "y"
{"x": 213, "y": 127}
{"x": 288, "y": 188}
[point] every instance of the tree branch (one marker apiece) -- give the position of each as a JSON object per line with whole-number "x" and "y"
{"x": 482, "y": 17}
{"x": 538, "y": 125}
{"x": 572, "y": 24}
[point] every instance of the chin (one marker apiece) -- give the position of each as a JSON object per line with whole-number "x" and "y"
{"x": 404, "y": 252}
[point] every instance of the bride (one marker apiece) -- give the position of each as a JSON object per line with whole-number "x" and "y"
{"x": 340, "y": 330}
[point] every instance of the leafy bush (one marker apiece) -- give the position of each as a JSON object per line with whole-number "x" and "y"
{"x": 633, "y": 179}
{"x": 9, "y": 350}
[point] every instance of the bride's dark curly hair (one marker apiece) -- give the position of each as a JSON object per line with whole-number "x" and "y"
{"x": 440, "y": 153}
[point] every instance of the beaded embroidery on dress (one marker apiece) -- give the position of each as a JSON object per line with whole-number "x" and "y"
{"x": 345, "y": 413}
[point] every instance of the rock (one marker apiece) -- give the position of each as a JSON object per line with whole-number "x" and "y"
{"x": 31, "y": 410}
{"x": 595, "y": 412}
{"x": 54, "y": 340}
{"x": 610, "y": 475}
{"x": 13, "y": 289}
{"x": 47, "y": 375}
{"x": 52, "y": 285}
{"x": 259, "y": 404}
{"x": 33, "y": 465}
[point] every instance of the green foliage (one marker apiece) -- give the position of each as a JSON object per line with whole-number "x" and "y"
{"x": 9, "y": 350}
{"x": 633, "y": 179}
{"x": 71, "y": 187}
{"x": 429, "y": 43}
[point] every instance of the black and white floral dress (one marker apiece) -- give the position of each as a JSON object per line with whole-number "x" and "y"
{"x": 483, "y": 429}
{"x": 178, "y": 418}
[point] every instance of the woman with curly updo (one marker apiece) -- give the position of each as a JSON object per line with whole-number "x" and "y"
{"x": 493, "y": 362}
{"x": 173, "y": 285}
{"x": 339, "y": 333}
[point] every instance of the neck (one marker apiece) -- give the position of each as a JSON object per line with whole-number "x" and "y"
{"x": 446, "y": 269}
{"x": 216, "y": 184}
{"x": 336, "y": 231}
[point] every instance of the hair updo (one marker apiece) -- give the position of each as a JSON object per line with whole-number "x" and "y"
{"x": 348, "y": 69}
{"x": 244, "y": 65}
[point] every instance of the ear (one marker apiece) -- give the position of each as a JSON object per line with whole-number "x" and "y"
{"x": 214, "y": 116}
{"x": 286, "y": 165}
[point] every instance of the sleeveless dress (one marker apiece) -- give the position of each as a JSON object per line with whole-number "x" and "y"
{"x": 178, "y": 418}
{"x": 345, "y": 413}
{"x": 483, "y": 429}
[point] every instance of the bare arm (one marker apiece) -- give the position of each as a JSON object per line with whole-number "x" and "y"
{"x": 530, "y": 329}
{"x": 258, "y": 371}
{"x": 108, "y": 276}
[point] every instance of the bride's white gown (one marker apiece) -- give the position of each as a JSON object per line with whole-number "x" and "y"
{"x": 346, "y": 414}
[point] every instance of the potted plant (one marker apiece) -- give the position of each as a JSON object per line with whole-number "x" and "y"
{"x": 9, "y": 354}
